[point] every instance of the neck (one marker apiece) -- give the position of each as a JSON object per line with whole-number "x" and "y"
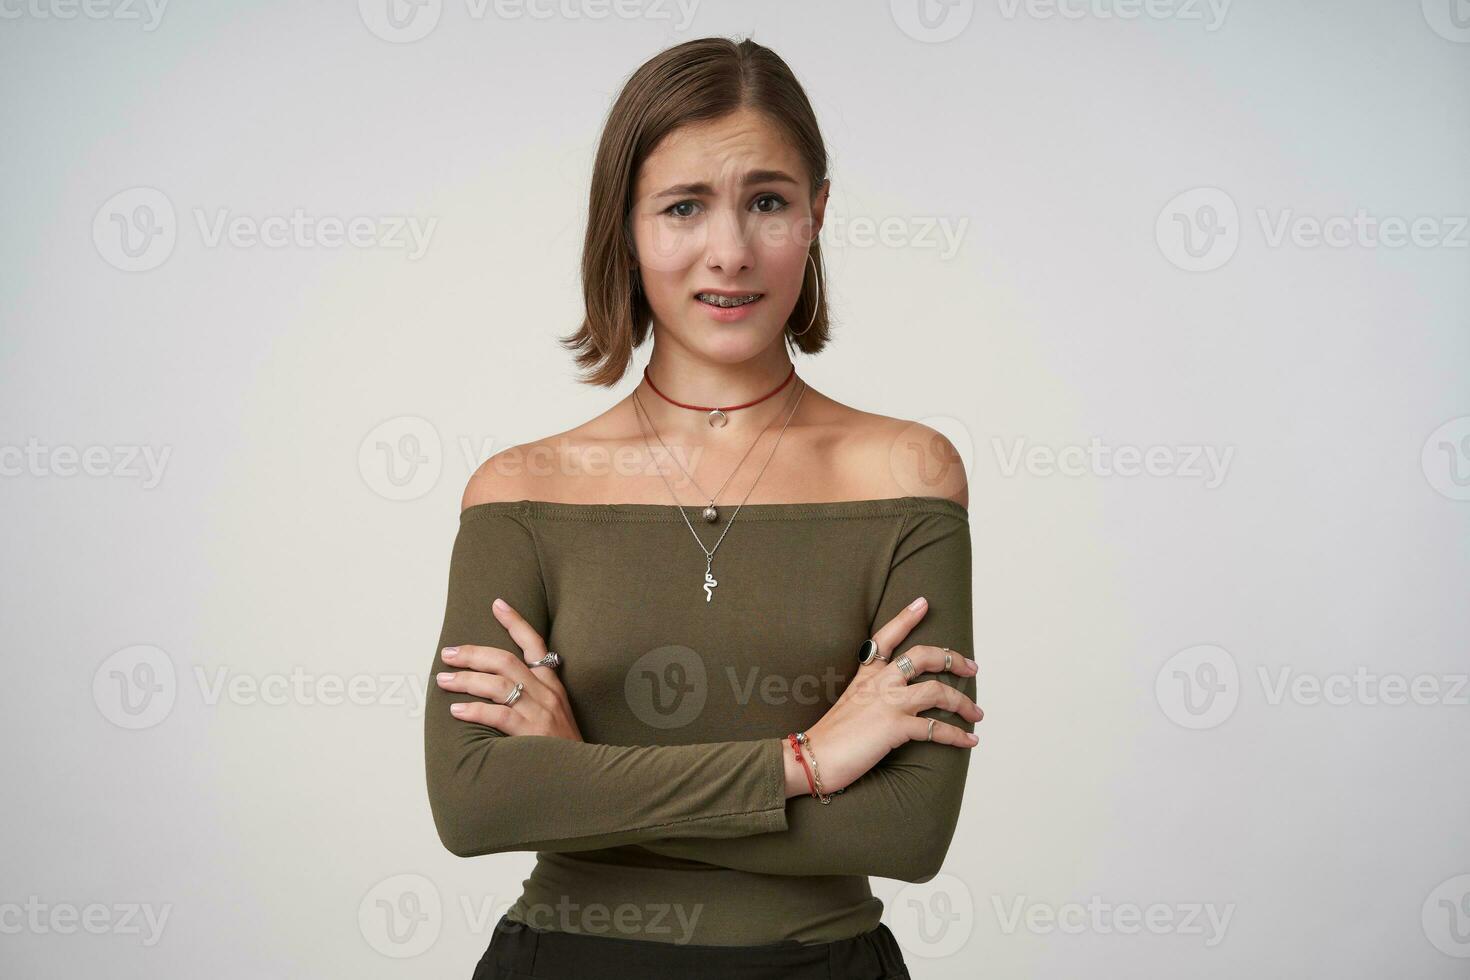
{"x": 716, "y": 385}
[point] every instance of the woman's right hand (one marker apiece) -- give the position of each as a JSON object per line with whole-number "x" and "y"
{"x": 878, "y": 711}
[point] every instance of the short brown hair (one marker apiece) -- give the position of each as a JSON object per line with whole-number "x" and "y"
{"x": 696, "y": 81}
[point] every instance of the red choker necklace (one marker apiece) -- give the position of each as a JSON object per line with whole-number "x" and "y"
{"x": 717, "y": 416}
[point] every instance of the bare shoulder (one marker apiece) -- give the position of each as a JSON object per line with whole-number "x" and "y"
{"x": 502, "y": 477}
{"x": 531, "y": 470}
{"x": 894, "y": 457}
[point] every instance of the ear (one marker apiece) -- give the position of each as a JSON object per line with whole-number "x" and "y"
{"x": 819, "y": 205}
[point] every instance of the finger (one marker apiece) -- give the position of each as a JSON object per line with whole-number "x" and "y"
{"x": 522, "y": 632}
{"x": 532, "y": 644}
{"x": 892, "y": 633}
{"x": 937, "y": 694}
{"x": 497, "y": 716}
{"x": 930, "y": 660}
{"x": 491, "y": 687}
{"x": 492, "y": 660}
{"x": 918, "y": 730}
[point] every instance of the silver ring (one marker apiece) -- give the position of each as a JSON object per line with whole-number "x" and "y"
{"x": 930, "y": 738}
{"x": 515, "y": 694}
{"x": 551, "y": 660}
{"x": 948, "y": 659}
{"x": 906, "y": 665}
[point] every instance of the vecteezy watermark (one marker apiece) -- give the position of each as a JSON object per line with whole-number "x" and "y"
{"x": 402, "y": 458}
{"x": 625, "y": 919}
{"x": 1209, "y": 12}
{"x": 39, "y": 918}
{"x": 1200, "y": 229}
{"x": 1446, "y": 917}
{"x": 932, "y": 21}
{"x": 406, "y": 21}
{"x": 1450, "y": 19}
{"x": 940, "y": 233}
{"x": 401, "y": 916}
{"x": 1200, "y": 687}
{"x": 1206, "y": 463}
{"x": 137, "y": 229}
{"x": 145, "y": 463}
{"x": 404, "y": 915}
{"x": 1445, "y": 458}
{"x": 936, "y": 21}
{"x": 932, "y": 919}
{"x": 146, "y": 12}
{"x": 137, "y": 687}
{"x": 1102, "y": 918}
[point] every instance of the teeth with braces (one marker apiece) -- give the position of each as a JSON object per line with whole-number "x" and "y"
{"x": 727, "y": 301}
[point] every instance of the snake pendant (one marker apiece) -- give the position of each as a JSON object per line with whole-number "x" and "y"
{"x": 709, "y": 580}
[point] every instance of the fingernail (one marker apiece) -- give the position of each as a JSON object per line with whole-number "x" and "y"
{"x": 500, "y": 604}
{"x": 972, "y": 663}
{"x": 456, "y": 709}
{"x": 917, "y": 603}
{"x": 450, "y": 653}
{"x": 445, "y": 677}
{"x": 974, "y": 737}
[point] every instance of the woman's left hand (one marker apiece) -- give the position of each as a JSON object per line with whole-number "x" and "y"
{"x": 492, "y": 673}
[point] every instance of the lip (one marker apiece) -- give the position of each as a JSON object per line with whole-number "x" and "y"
{"x": 728, "y": 292}
{"x": 728, "y": 314}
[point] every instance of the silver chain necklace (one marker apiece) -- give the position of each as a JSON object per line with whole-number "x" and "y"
{"x": 709, "y": 553}
{"x": 711, "y": 513}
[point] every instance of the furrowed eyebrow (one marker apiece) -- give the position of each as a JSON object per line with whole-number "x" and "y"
{"x": 753, "y": 177}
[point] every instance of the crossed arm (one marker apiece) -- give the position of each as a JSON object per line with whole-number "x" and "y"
{"x": 721, "y": 803}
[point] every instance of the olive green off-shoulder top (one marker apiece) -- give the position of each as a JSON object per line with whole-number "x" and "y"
{"x": 670, "y": 822}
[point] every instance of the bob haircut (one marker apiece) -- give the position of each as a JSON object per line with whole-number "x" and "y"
{"x": 696, "y": 81}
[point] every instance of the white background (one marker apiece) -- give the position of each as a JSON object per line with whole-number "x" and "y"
{"x": 1055, "y": 142}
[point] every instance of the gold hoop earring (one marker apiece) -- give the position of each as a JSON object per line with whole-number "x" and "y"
{"x": 817, "y": 303}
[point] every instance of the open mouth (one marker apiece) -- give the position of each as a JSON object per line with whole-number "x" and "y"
{"x": 727, "y": 302}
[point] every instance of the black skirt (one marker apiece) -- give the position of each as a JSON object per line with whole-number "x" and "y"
{"x": 521, "y": 952}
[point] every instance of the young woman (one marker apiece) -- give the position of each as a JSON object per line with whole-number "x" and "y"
{"x": 758, "y": 598}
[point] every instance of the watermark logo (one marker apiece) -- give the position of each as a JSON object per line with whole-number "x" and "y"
{"x": 400, "y": 21}
{"x": 1198, "y": 687}
{"x": 401, "y": 458}
{"x": 931, "y": 456}
{"x": 1208, "y": 464}
{"x": 1209, "y": 12}
{"x": 1102, "y": 918}
{"x": 1446, "y": 917}
{"x": 1450, "y": 19}
{"x": 135, "y": 687}
{"x": 39, "y": 918}
{"x": 1199, "y": 230}
{"x": 146, "y": 463}
{"x": 135, "y": 230}
{"x": 149, "y": 13}
{"x": 932, "y": 21}
{"x": 406, "y": 21}
{"x": 667, "y": 687}
{"x": 1445, "y": 459}
{"x": 401, "y": 916}
{"x": 932, "y": 919}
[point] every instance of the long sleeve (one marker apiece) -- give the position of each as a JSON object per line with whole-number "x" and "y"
{"x": 490, "y": 793}
{"x": 897, "y": 820}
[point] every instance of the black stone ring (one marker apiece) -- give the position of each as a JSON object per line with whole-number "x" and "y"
{"x": 868, "y": 652}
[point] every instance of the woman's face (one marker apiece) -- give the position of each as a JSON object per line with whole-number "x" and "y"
{"x": 724, "y": 206}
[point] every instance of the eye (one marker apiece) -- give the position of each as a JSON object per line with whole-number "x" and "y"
{"x": 780, "y": 203}
{"x": 670, "y": 209}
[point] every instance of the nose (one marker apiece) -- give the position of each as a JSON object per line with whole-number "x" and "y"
{"x": 729, "y": 249}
